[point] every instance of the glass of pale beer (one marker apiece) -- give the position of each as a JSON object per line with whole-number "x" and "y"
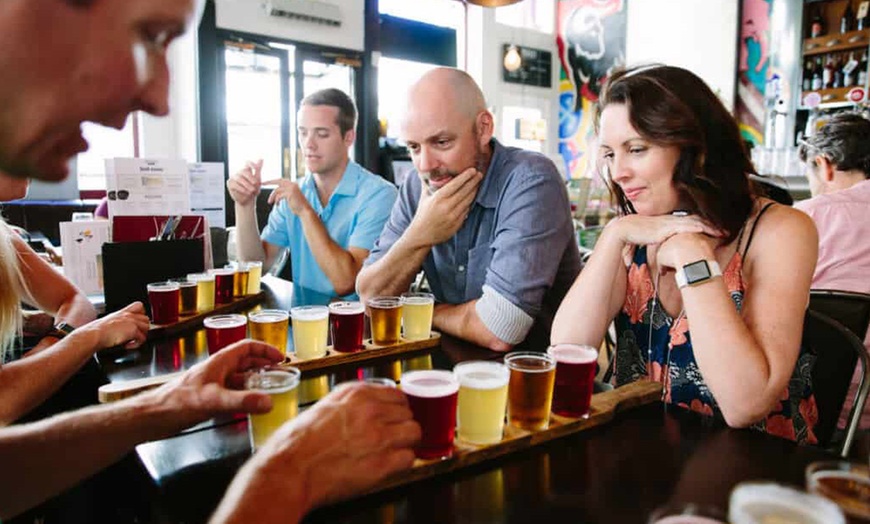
{"x": 432, "y": 398}
{"x": 386, "y": 315}
{"x": 204, "y": 291}
{"x": 282, "y": 385}
{"x": 764, "y": 502}
{"x": 164, "y": 300}
{"x": 530, "y": 390}
{"x": 310, "y": 328}
{"x": 255, "y": 273}
{"x": 417, "y": 311}
{"x": 347, "y": 322}
{"x": 270, "y": 326}
{"x": 575, "y": 376}
{"x": 223, "y": 330}
{"x": 483, "y": 388}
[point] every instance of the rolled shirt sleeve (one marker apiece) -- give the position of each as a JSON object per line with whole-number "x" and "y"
{"x": 502, "y": 318}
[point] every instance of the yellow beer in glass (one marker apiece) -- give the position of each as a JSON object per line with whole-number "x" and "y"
{"x": 282, "y": 384}
{"x": 310, "y": 328}
{"x": 417, "y": 315}
{"x": 483, "y": 389}
{"x": 270, "y": 326}
{"x": 255, "y": 272}
{"x": 204, "y": 291}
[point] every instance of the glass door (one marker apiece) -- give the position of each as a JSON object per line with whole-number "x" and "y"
{"x": 257, "y": 97}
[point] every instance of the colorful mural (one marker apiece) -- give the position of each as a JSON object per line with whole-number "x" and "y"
{"x": 753, "y": 68}
{"x": 591, "y": 42}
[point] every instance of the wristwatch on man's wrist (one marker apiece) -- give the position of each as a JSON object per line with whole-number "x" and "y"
{"x": 697, "y": 272}
{"x": 60, "y": 330}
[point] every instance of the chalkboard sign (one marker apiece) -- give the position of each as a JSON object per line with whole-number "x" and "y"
{"x": 534, "y": 70}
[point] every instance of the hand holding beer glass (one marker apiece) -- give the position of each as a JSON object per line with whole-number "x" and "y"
{"x": 282, "y": 385}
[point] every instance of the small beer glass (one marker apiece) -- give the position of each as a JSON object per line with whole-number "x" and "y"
{"x": 483, "y": 387}
{"x": 530, "y": 390}
{"x": 282, "y": 385}
{"x": 310, "y": 329}
{"x": 432, "y": 397}
{"x": 575, "y": 375}
{"x": 223, "y": 330}
{"x": 270, "y": 326}
{"x": 386, "y": 315}
{"x": 164, "y": 300}
{"x": 417, "y": 311}
{"x": 347, "y": 321}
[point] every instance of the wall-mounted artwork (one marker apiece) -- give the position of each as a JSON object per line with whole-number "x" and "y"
{"x": 591, "y": 43}
{"x": 752, "y": 69}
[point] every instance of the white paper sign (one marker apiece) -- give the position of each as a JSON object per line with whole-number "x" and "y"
{"x": 140, "y": 186}
{"x": 82, "y": 244}
{"x": 207, "y": 192}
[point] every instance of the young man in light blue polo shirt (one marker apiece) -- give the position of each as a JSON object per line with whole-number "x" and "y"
{"x": 331, "y": 219}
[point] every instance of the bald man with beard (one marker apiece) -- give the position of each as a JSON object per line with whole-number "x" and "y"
{"x": 490, "y": 226}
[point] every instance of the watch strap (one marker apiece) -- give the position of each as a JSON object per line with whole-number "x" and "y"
{"x": 683, "y": 280}
{"x": 60, "y": 330}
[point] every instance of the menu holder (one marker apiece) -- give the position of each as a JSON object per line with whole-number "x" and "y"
{"x": 370, "y": 352}
{"x": 187, "y": 322}
{"x": 603, "y": 408}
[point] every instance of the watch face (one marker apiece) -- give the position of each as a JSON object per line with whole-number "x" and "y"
{"x": 697, "y": 271}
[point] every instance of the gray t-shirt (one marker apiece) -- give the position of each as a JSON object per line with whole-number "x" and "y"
{"x": 516, "y": 251}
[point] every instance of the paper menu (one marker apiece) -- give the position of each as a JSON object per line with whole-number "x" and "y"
{"x": 207, "y": 192}
{"x": 82, "y": 244}
{"x": 139, "y": 186}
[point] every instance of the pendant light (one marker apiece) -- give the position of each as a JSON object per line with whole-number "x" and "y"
{"x": 492, "y": 3}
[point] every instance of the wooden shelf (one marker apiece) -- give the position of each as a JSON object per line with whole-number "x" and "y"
{"x": 836, "y": 42}
{"x": 831, "y": 96}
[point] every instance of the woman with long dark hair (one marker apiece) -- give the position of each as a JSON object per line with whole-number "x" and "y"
{"x": 707, "y": 281}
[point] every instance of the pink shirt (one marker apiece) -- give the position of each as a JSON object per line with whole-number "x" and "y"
{"x": 843, "y": 221}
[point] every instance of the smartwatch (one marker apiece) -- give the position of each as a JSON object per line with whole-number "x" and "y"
{"x": 697, "y": 273}
{"x": 60, "y": 330}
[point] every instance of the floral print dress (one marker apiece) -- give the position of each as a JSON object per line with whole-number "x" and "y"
{"x": 651, "y": 345}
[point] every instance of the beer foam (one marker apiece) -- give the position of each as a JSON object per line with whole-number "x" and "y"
{"x": 273, "y": 382}
{"x": 307, "y": 313}
{"x": 528, "y": 362}
{"x": 766, "y": 502}
{"x": 432, "y": 383}
{"x": 346, "y": 308}
{"x": 571, "y": 354}
{"x": 268, "y": 316}
{"x": 418, "y": 301}
{"x": 224, "y": 321}
{"x": 482, "y": 375}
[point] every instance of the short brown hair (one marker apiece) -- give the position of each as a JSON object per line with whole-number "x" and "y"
{"x": 335, "y": 98}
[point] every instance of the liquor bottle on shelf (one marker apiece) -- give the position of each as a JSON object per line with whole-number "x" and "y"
{"x": 862, "y": 71}
{"x": 863, "y": 18}
{"x": 849, "y": 72}
{"x": 817, "y": 25}
{"x": 837, "y": 78}
{"x": 816, "y": 83}
{"x": 847, "y": 21}
{"x": 807, "y": 80}
{"x": 828, "y": 73}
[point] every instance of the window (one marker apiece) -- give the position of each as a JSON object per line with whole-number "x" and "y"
{"x": 103, "y": 143}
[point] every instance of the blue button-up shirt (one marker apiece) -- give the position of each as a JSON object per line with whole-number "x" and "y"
{"x": 515, "y": 252}
{"x": 354, "y": 216}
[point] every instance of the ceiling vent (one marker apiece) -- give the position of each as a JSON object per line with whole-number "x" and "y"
{"x": 312, "y": 11}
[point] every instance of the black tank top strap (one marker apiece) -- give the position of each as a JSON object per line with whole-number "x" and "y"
{"x": 752, "y": 231}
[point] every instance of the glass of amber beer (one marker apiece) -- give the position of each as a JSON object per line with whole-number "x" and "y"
{"x": 187, "y": 296}
{"x": 223, "y": 330}
{"x": 575, "y": 374}
{"x": 310, "y": 328}
{"x": 270, "y": 326}
{"x": 845, "y": 483}
{"x": 240, "y": 278}
{"x": 432, "y": 397}
{"x": 417, "y": 311}
{"x": 282, "y": 385}
{"x": 347, "y": 320}
{"x": 530, "y": 390}
{"x": 483, "y": 390}
{"x": 386, "y": 315}
{"x": 204, "y": 291}
{"x": 164, "y": 299}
